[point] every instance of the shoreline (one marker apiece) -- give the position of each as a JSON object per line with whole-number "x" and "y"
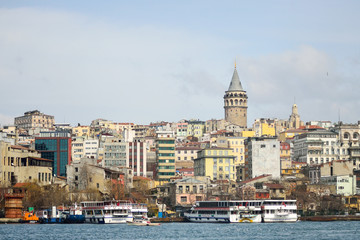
{"x": 328, "y": 218}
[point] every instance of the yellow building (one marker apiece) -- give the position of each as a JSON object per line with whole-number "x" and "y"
{"x": 165, "y": 155}
{"x": 290, "y": 133}
{"x": 81, "y": 131}
{"x": 264, "y": 127}
{"x": 285, "y": 158}
{"x": 235, "y": 143}
{"x": 196, "y": 129}
{"x": 247, "y": 134}
{"x": 216, "y": 163}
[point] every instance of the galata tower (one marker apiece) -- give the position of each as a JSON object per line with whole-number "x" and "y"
{"x": 235, "y": 102}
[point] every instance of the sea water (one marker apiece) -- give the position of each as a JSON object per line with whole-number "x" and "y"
{"x": 299, "y": 230}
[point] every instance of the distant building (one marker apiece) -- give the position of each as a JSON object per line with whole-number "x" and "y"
{"x": 344, "y": 185}
{"x": 137, "y": 157}
{"x": 34, "y": 119}
{"x": 184, "y": 157}
{"x": 235, "y": 102}
{"x": 285, "y": 158}
{"x": 263, "y": 157}
{"x": 216, "y": 163}
{"x": 238, "y": 146}
{"x": 115, "y": 152}
{"x": 315, "y": 147}
{"x": 81, "y": 131}
{"x": 181, "y": 129}
{"x": 195, "y": 128}
{"x": 19, "y": 165}
{"x": 165, "y": 155}
{"x": 185, "y": 192}
{"x": 57, "y": 147}
{"x": 264, "y": 127}
{"x": 294, "y": 120}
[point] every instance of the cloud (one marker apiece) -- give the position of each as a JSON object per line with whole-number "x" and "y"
{"x": 6, "y": 120}
{"x": 79, "y": 68}
{"x": 306, "y": 74}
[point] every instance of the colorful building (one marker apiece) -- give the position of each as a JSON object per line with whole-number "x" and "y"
{"x": 195, "y": 128}
{"x": 57, "y": 147}
{"x": 216, "y": 163}
{"x": 235, "y": 143}
{"x": 165, "y": 155}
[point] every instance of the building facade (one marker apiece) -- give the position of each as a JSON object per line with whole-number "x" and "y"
{"x": 316, "y": 147}
{"x": 263, "y": 157}
{"x": 34, "y": 119}
{"x": 19, "y": 165}
{"x": 165, "y": 155}
{"x": 137, "y": 157}
{"x": 216, "y": 163}
{"x": 57, "y": 147}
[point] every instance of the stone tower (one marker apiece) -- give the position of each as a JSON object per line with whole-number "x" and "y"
{"x": 235, "y": 102}
{"x": 294, "y": 120}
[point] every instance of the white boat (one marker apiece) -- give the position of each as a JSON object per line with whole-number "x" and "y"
{"x": 250, "y": 211}
{"x": 116, "y": 211}
{"x": 279, "y": 211}
{"x": 225, "y": 211}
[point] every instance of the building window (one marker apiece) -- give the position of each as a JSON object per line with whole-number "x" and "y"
{"x": 98, "y": 185}
{"x": 76, "y": 169}
{"x": 76, "y": 178}
{"x": 183, "y": 199}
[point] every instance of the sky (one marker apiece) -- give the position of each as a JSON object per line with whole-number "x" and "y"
{"x": 147, "y": 61}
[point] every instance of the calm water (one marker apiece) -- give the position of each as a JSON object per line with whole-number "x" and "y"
{"x": 299, "y": 230}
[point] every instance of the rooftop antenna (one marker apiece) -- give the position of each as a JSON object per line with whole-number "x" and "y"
{"x": 339, "y": 116}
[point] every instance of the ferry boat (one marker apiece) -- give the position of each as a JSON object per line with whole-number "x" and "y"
{"x": 251, "y": 211}
{"x": 225, "y": 211}
{"x": 115, "y": 211}
{"x": 279, "y": 211}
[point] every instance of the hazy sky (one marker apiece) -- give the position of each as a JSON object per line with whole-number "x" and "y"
{"x": 146, "y": 61}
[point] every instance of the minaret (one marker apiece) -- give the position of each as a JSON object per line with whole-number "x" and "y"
{"x": 235, "y": 102}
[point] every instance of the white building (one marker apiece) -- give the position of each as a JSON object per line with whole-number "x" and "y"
{"x": 137, "y": 157}
{"x": 263, "y": 157}
{"x": 316, "y": 147}
{"x": 115, "y": 153}
{"x": 345, "y": 185}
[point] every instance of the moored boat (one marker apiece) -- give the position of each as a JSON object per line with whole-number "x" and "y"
{"x": 244, "y": 211}
{"x": 115, "y": 211}
{"x": 52, "y": 215}
{"x": 279, "y": 211}
{"x": 225, "y": 211}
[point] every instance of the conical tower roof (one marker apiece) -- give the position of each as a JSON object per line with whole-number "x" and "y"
{"x": 235, "y": 84}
